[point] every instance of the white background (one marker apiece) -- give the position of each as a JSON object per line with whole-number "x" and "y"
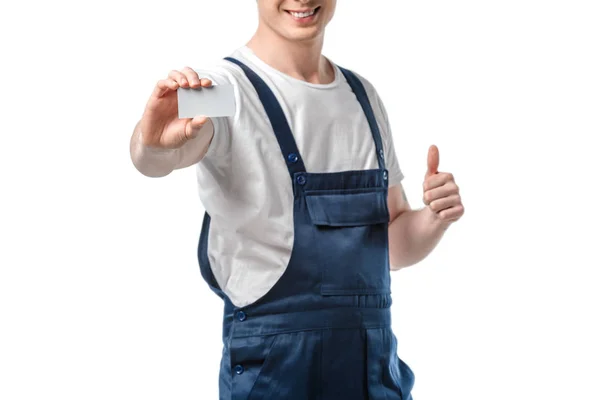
{"x": 100, "y": 291}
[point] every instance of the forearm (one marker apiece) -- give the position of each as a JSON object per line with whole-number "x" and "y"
{"x": 151, "y": 161}
{"x": 158, "y": 162}
{"x": 413, "y": 235}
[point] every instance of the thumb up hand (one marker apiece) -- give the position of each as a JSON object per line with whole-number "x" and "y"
{"x": 440, "y": 192}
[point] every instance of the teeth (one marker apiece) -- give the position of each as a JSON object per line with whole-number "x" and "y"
{"x": 302, "y": 15}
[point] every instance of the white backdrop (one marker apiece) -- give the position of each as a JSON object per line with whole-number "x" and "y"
{"x": 100, "y": 291}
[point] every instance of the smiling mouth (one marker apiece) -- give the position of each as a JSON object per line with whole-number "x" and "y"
{"x": 304, "y": 14}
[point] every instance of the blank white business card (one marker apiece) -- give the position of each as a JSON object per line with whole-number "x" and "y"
{"x": 214, "y": 101}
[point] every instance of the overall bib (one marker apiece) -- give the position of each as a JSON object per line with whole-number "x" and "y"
{"x": 324, "y": 330}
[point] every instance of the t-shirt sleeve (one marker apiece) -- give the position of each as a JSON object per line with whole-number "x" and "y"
{"x": 395, "y": 174}
{"x": 220, "y": 144}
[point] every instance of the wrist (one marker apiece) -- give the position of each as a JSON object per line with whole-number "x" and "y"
{"x": 434, "y": 219}
{"x": 150, "y": 148}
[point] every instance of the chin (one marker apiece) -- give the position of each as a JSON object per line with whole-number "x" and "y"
{"x": 302, "y": 36}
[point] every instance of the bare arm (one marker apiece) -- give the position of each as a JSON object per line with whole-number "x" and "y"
{"x": 413, "y": 234}
{"x": 161, "y": 141}
{"x": 159, "y": 162}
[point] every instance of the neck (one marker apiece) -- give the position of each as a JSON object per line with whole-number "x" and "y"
{"x": 300, "y": 60}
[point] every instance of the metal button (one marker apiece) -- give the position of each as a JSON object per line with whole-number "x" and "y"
{"x": 241, "y": 315}
{"x": 381, "y": 153}
{"x": 292, "y": 157}
{"x": 238, "y": 369}
{"x": 385, "y": 175}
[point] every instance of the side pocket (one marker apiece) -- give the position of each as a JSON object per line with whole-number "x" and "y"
{"x": 407, "y": 379}
{"x": 405, "y": 375}
{"x": 292, "y": 370}
{"x": 389, "y": 378}
{"x": 278, "y": 367}
{"x": 248, "y": 356}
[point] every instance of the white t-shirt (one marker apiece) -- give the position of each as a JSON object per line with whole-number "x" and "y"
{"x": 243, "y": 180}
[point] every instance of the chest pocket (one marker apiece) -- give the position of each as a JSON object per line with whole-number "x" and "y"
{"x": 351, "y": 239}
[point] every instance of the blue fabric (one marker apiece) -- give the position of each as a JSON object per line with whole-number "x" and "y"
{"x": 347, "y": 208}
{"x": 324, "y": 330}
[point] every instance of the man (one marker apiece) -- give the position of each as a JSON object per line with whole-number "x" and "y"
{"x": 305, "y": 212}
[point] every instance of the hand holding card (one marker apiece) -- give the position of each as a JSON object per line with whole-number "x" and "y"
{"x": 179, "y": 108}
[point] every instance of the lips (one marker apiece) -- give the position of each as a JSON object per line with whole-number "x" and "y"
{"x": 303, "y": 14}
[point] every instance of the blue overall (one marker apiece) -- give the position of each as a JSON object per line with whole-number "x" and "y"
{"x": 324, "y": 329}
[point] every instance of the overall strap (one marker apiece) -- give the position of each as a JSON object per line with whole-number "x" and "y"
{"x": 280, "y": 125}
{"x": 361, "y": 94}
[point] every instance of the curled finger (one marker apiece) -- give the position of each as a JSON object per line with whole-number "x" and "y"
{"x": 179, "y": 77}
{"x": 192, "y": 77}
{"x": 163, "y": 86}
